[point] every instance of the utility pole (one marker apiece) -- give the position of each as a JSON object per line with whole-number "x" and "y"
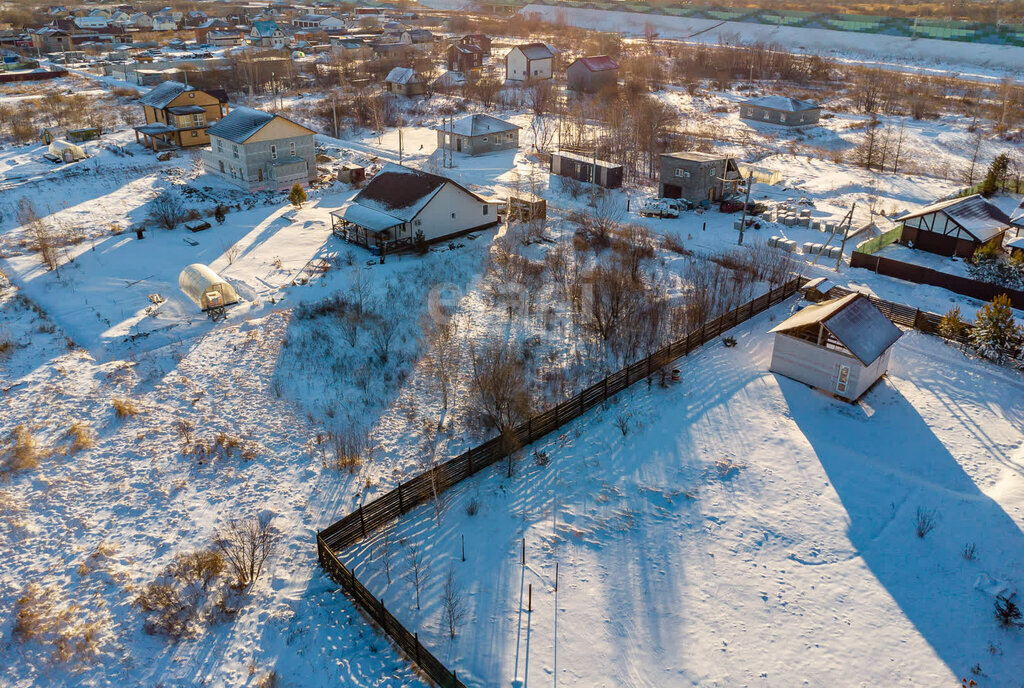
{"x": 749, "y": 181}
{"x": 334, "y": 110}
{"x": 399, "y": 144}
{"x": 849, "y": 225}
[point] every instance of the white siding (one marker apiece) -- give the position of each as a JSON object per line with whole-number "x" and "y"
{"x": 819, "y": 367}
{"x": 436, "y": 219}
{"x": 515, "y": 69}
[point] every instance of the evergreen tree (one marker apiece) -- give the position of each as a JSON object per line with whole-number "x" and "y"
{"x": 297, "y": 196}
{"x": 995, "y": 178}
{"x": 219, "y": 214}
{"x": 421, "y": 243}
{"x": 995, "y": 331}
{"x": 952, "y": 326}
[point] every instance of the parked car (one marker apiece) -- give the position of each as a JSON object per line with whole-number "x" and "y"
{"x": 662, "y": 207}
{"x": 735, "y": 205}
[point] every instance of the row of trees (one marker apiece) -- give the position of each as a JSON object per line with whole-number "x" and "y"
{"x": 994, "y": 334}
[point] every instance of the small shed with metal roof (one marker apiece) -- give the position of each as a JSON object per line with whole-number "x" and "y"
{"x": 841, "y": 346}
{"x": 478, "y": 134}
{"x": 404, "y": 81}
{"x": 592, "y": 74}
{"x": 956, "y": 227}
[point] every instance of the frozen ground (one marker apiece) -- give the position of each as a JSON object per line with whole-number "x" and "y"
{"x": 744, "y": 530}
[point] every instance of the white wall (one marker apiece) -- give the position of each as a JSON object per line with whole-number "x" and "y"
{"x": 437, "y": 221}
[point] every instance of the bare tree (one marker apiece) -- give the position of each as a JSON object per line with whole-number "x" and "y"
{"x": 385, "y": 554}
{"x": 498, "y": 384}
{"x": 453, "y": 610}
{"x": 383, "y": 327}
{"x": 417, "y": 571}
{"x": 41, "y": 236}
{"x": 246, "y": 545}
{"x": 445, "y": 354}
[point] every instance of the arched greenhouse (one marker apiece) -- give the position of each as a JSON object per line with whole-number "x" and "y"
{"x": 206, "y": 288}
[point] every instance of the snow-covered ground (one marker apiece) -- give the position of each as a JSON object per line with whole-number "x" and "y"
{"x": 742, "y": 529}
{"x": 95, "y": 524}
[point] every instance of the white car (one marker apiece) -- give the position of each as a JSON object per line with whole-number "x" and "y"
{"x": 662, "y": 207}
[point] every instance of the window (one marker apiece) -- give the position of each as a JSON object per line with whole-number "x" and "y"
{"x": 192, "y": 94}
{"x": 767, "y": 115}
{"x": 417, "y": 223}
{"x": 682, "y": 173}
{"x": 220, "y": 148}
{"x": 711, "y": 172}
{"x": 221, "y": 163}
{"x": 232, "y": 171}
{"x": 195, "y": 133}
{"x": 259, "y": 174}
{"x": 782, "y": 118}
{"x": 273, "y": 152}
{"x": 234, "y": 150}
{"x": 291, "y": 148}
{"x": 484, "y": 138}
{"x": 843, "y": 380}
{"x": 486, "y": 209}
{"x": 453, "y": 216}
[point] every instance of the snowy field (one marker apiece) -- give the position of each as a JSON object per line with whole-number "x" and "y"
{"x": 94, "y": 522}
{"x": 742, "y": 529}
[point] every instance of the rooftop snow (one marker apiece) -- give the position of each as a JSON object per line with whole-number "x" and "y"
{"x": 401, "y": 75}
{"x": 399, "y": 191}
{"x": 241, "y": 123}
{"x": 782, "y": 103}
{"x": 535, "y": 51}
{"x": 477, "y": 125}
{"x": 598, "y": 63}
{"x": 854, "y": 321}
{"x": 367, "y": 217}
{"x": 975, "y": 214}
{"x": 697, "y": 156}
{"x": 161, "y": 96}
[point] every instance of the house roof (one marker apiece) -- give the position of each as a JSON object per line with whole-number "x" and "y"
{"x": 535, "y": 51}
{"x": 240, "y": 124}
{"x": 478, "y": 125}
{"x": 598, "y": 63}
{"x": 265, "y": 27}
{"x": 402, "y": 75}
{"x": 186, "y": 110}
{"x": 467, "y": 48}
{"x": 402, "y": 192}
{"x": 783, "y": 103}
{"x": 313, "y": 17}
{"x": 367, "y": 217}
{"x": 853, "y": 320}
{"x": 697, "y": 156}
{"x": 974, "y": 214}
{"x": 161, "y": 96}
{"x": 1016, "y": 243}
{"x": 585, "y": 159}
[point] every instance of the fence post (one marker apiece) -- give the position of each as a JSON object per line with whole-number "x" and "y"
{"x": 605, "y": 383}
{"x": 383, "y": 616}
{"x": 416, "y": 637}
{"x": 362, "y": 521}
{"x": 529, "y": 430}
{"x": 401, "y": 502}
{"x": 469, "y": 456}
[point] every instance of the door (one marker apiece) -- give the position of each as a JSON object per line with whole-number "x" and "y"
{"x": 843, "y": 379}
{"x": 259, "y": 174}
{"x": 673, "y": 191}
{"x": 458, "y": 144}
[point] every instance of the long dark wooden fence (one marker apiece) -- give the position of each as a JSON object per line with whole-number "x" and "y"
{"x": 389, "y": 507}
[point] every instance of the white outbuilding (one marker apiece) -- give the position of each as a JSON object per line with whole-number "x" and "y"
{"x": 841, "y": 346}
{"x": 206, "y": 288}
{"x": 66, "y": 151}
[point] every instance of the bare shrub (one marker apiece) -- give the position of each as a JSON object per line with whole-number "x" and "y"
{"x": 124, "y": 407}
{"x": 22, "y": 451}
{"x": 416, "y": 572}
{"x": 1008, "y": 614}
{"x": 346, "y": 449}
{"x": 167, "y": 613}
{"x": 924, "y": 521}
{"x": 73, "y": 631}
{"x": 246, "y": 545}
{"x": 41, "y": 236}
{"x": 81, "y": 436}
{"x": 473, "y": 507}
{"x": 970, "y": 551}
{"x": 498, "y": 384}
{"x": 622, "y": 423}
{"x": 167, "y": 210}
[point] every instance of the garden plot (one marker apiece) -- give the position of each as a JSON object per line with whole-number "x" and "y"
{"x": 737, "y": 528}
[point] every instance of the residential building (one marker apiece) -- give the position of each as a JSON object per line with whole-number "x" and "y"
{"x": 841, "y": 346}
{"x": 260, "y": 151}
{"x": 957, "y": 227}
{"x": 164, "y": 22}
{"x": 787, "y": 112}
{"x": 267, "y": 34}
{"x": 479, "y": 40}
{"x": 201, "y": 31}
{"x": 416, "y": 37}
{"x": 592, "y": 74}
{"x": 92, "y": 21}
{"x": 142, "y": 21}
{"x": 399, "y": 203}
{"x": 465, "y": 58}
{"x": 530, "y": 62}
{"x": 697, "y": 176}
{"x": 177, "y": 116}
{"x": 224, "y": 38}
{"x": 478, "y": 134}
{"x": 320, "y": 22}
{"x": 588, "y": 169}
{"x": 355, "y": 48}
{"x": 404, "y": 81}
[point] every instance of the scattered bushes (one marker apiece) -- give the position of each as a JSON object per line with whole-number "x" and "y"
{"x": 246, "y": 546}
{"x": 184, "y": 596}
{"x": 75, "y": 632}
{"x": 22, "y": 451}
{"x": 124, "y": 407}
{"x": 1007, "y": 612}
{"x": 81, "y": 436}
{"x": 924, "y": 521}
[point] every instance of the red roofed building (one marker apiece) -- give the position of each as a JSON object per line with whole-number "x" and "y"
{"x": 592, "y": 74}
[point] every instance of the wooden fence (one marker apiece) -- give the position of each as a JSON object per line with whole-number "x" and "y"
{"x": 389, "y": 507}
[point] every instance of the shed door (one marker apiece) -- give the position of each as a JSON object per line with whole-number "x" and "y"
{"x": 843, "y": 379}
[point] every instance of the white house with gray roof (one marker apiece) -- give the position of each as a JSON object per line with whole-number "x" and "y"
{"x": 400, "y": 202}
{"x": 530, "y": 62}
{"x": 260, "y": 151}
{"x": 478, "y": 134}
{"x": 787, "y": 112}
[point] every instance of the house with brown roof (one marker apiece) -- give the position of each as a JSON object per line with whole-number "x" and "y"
{"x": 464, "y": 58}
{"x": 530, "y": 62}
{"x": 592, "y": 74}
{"x": 400, "y": 203}
{"x": 178, "y": 116}
{"x": 479, "y": 40}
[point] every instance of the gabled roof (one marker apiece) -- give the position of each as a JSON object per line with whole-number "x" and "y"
{"x": 535, "y": 51}
{"x": 402, "y": 75}
{"x": 161, "y": 96}
{"x": 478, "y": 125}
{"x": 598, "y": 63}
{"x": 973, "y": 214}
{"x": 697, "y": 156}
{"x": 265, "y": 27}
{"x": 186, "y": 110}
{"x": 781, "y": 103}
{"x": 466, "y": 48}
{"x": 402, "y": 192}
{"x": 242, "y": 123}
{"x": 853, "y": 320}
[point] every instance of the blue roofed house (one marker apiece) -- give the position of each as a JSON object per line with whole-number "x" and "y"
{"x": 267, "y": 34}
{"x": 781, "y": 110}
{"x": 260, "y": 151}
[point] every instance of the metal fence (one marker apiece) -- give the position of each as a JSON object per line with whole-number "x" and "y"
{"x": 389, "y": 507}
